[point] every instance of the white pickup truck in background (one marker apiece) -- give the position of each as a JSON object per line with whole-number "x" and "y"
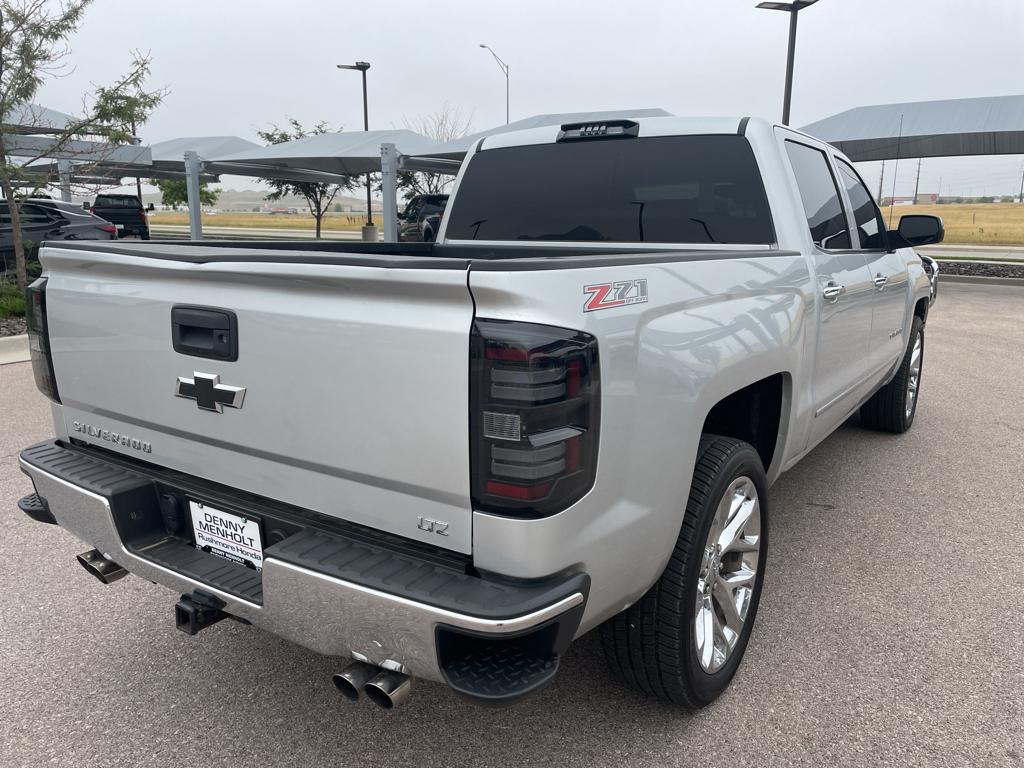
{"x": 449, "y": 460}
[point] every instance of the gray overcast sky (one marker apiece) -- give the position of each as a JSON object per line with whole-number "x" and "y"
{"x": 232, "y": 66}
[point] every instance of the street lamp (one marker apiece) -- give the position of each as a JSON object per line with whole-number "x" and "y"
{"x": 504, "y": 68}
{"x": 362, "y": 66}
{"x": 792, "y": 8}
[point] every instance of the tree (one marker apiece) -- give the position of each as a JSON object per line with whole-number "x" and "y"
{"x": 174, "y": 192}
{"x": 444, "y": 125}
{"x": 33, "y": 49}
{"x": 318, "y": 196}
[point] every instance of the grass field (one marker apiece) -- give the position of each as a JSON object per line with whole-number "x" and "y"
{"x": 980, "y": 224}
{"x": 332, "y": 221}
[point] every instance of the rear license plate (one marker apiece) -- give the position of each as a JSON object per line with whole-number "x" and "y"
{"x": 227, "y": 535}
{"x": 120, "y": 227}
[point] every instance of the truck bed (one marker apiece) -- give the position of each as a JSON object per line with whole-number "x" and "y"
{"x": 413, "y": 255}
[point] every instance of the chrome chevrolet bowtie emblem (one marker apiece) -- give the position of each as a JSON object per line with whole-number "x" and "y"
{"x": 209, "y": 393}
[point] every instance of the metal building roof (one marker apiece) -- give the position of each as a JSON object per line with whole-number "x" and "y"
{"x": 457, "y": 148}
{"x": 992, "y": 125}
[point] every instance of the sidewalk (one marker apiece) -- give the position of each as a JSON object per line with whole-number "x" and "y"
{"x": 13, "y": 349}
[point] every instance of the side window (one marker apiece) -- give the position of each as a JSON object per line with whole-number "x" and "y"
{"x": 412, "y": 210}
{"x": 870, "y": 225}
{"x": 33, "y": 214}
{"x": 820, "y": 196}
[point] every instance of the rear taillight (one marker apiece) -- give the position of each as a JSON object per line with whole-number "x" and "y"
{"x": 534, "y": 412}
{"x": 107, "y": 228}
{"x": 39, "y": 339}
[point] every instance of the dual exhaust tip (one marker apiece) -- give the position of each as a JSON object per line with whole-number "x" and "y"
{"x": 384, "y": 687}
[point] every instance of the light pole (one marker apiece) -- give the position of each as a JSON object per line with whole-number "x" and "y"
{"x": 362, "y": 66}
{"x": 504, "y": 68}
{"x": 792, "y": 8}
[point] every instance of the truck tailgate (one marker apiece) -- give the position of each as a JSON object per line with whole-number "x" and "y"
{"x": 356, "y": 380}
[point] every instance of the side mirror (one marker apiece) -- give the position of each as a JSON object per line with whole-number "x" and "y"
{"x": 86, "y": 206}
{"x": 150, "y": 207}
{"x": 921, "y": 229}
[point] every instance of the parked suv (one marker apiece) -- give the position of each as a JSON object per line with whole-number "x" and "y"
{"x": 126, "y": 212}
{"x": 45, "y": 219}
{"x": 421, "y": 219}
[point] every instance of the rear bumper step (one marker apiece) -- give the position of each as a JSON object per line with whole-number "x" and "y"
{"x": 36, "y": 508}
{"x": 337, "y": 592}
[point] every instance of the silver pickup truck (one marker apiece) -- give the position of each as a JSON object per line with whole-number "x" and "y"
{"x": 449, "y": 460}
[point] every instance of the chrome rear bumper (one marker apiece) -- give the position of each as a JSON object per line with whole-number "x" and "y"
{"x": 324, "y": 613}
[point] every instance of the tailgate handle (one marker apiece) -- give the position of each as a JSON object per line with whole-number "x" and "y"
{"x": 204, "y": 332}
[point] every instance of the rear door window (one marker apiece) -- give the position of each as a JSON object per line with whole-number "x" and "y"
{"x": 35, "y": 214}
{"x": 870, "y": 224}
{"x": 820, "y": 196}
{"x": 671, "y": 189}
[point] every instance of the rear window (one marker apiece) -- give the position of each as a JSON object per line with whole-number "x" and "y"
{"x": 673, "y": 189}
{"x": 105, "y": 201}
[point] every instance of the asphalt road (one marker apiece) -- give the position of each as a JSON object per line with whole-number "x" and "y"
{"x": 890, "y": 631}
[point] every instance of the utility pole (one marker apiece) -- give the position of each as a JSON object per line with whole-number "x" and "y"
{"x": 881, "y": 180}
{"x": 917, "y": 181}
{"x": 1020, "y": 197}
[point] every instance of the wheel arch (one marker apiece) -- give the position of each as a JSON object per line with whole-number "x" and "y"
{"x": 756, "y": 413}
{"x": 921, "y": 310}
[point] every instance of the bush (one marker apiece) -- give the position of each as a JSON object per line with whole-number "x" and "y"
{"x": 12, "y": 301}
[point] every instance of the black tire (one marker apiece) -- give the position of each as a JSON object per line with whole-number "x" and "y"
{"x": 887, "y": 409}
{"x": 651, "y": 645}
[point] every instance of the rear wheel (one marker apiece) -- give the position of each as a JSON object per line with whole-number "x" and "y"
{"x": 683, "y": 640}
{"x": 893, "y": 407}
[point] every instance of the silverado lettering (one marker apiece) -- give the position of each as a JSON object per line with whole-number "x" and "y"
{"x": 112, "y": 437}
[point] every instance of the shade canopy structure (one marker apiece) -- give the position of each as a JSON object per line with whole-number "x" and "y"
{"x": 343, "y": 153}
{"x": 169, "y": 155}
{"x": 168, "y": 158}
{"x": 457, "y": 148}
{"x": 992, "y": 125}
{"x": 35, "y": 119}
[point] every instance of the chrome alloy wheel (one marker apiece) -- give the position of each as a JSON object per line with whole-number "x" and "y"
{"x": 914, "y": 375}
{"x": 728, "y": 569}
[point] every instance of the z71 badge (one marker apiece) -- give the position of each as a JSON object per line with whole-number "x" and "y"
{"x": 617, "y": 294}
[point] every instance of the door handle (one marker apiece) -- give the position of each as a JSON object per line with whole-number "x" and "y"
{"x": 832, "y": 292}
{"x": 204, "y": 332}
{"x": 880, "y": 281}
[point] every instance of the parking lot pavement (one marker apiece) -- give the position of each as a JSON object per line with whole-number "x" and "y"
{"x": 890, "y": 631}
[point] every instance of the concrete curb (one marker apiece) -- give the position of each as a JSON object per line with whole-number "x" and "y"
{"x": 14, "y": 349}
{"x": 979, "y": 280}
